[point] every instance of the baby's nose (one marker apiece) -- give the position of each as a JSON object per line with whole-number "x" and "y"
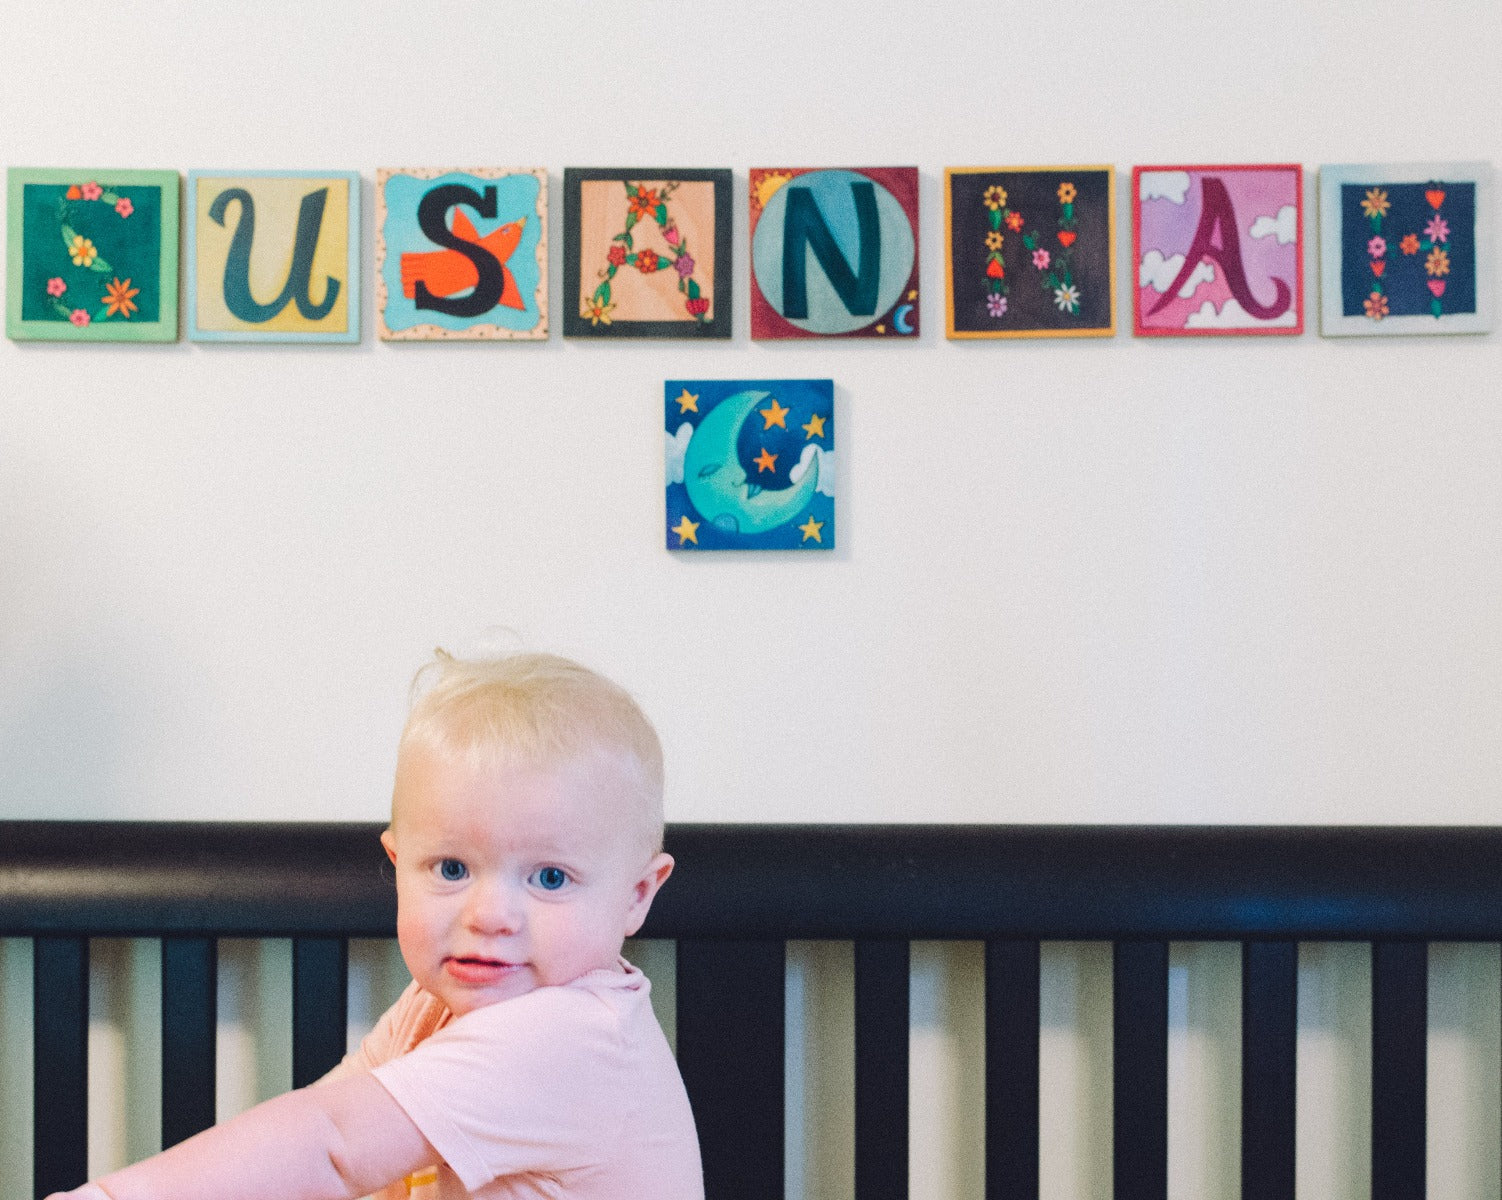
{"x": 493, "y": 908}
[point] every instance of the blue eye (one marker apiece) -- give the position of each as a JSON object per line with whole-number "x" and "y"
{"x": 452, "y": 870}
{"x": 550, "y": 879}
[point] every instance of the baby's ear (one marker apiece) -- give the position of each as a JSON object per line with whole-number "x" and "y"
{"x": 389, "y": 842}
{"x": 645, "y": 888}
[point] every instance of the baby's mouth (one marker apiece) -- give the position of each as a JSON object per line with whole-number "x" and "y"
{"x": 474, "y": 969}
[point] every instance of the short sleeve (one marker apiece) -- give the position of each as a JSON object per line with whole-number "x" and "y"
{"x": 536, "y": 1084}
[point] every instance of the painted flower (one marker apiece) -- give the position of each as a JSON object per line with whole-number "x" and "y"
{"x": 995, "y": 197}
{"x": 56, "y": 286}
{"x": 617, "y": 255}
{"x": 1377, "y": 247}
{"x": 91, "y": 191}
{"x": 671, "y": 235}
{"x": 79, "y": 317}
{"x": 993, "y": 240}
{"x": 644, "y": 203}
{"x": 124, "y": 207}
{"x": 1014, "y": 222}
{"x": 1438, "y": 262}
{"x": 1066, "y": 193}
{"x": 1376, "y": 203}
{"x": 646, "y": 261}
{"x": 698, "y": 306}
{"x": 1067, "y": 298}
{"x": 119, "y": 298}
{"x": 1041, "y": 259}
{"x": 996, "y": 304}
{"x": 82, "y": 251}
{"x": 1376, "y": 306}
{"x": 597, "y": 311}
{"x": 1409, "y": 244}
{"x": 1438, "y": 229}
{"x": 685, "y": 266}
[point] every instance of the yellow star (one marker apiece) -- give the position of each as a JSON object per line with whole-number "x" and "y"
{"x": 688, "y": 402}
{"x": 765, "y": 461}
{"x": 814, "y": 428}
{"x": 774, "y": 415}
{"x": 810, "y": 529}
{"x": 881, "y": 329}
{"x": 913, "y": 294}
{"x": 687, "y": 531}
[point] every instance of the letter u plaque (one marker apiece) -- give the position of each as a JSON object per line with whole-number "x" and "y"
{"x": 273, "y": 256}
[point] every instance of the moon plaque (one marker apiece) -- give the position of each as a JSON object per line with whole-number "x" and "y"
{"x": 750, "y": 464}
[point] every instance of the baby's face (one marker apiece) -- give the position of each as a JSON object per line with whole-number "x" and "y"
{"x": 514, "y": 878}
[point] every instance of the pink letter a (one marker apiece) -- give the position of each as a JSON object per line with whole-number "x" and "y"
{"x": 1218, "y": 221}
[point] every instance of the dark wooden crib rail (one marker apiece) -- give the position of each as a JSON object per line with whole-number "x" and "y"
{"x": 739, "y": 894}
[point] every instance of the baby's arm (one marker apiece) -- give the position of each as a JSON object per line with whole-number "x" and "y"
{"x": 335, "y": 1140}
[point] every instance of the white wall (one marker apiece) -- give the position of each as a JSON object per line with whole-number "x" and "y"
{"x": 1133, "y": 579}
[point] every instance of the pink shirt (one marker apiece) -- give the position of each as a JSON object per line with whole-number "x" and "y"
{"x": 565, "y": 1092}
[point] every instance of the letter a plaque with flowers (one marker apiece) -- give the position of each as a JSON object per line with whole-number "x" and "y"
{"x": 646, "y": 253}
{"x": 91, "y": 255}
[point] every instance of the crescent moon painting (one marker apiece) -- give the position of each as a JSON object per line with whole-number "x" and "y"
{"x": 750, "y": 464}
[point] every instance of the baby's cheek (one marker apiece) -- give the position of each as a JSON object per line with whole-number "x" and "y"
{"x": 411, "y": 938}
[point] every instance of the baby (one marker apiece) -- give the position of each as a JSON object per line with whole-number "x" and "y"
{"x": 524, "y": 1059}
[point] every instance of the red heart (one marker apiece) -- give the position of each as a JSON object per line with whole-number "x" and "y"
{"x": 1435, "y": 196}
{"x": 1437, "y": 286}
{"x": 995, "y": 270}
{"x": 1378, "y": 266}
{"x": 1067, "y": 236}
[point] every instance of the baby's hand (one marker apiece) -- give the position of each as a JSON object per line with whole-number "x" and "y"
{"x": 89, "y": 1191}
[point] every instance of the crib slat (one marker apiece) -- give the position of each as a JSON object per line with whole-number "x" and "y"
{"x": 1140, "y": 1071}
{"x": 1013, "y": 977}
{"x": 60, "y": 1029}
{"x": 320, "y": 1006}
{"x": 189, "y": 1018}
{"x": 1269, "y": 1041}
{"x": 731, "y": 1021}
{"x": 881, "y": 1069}
{"x": 1400, "y": 1031}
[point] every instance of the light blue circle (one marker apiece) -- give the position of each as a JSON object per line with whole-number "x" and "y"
{"x": 827, "y": 313}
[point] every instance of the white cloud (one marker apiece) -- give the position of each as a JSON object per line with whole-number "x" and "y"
{"x": 1163, "y": 185}
{"x": 1285, "y": 226}
{"x": 826, "y": 467}
{"x": 1233, "y": 316}
{"x": 1158, "y": 272}
{"x": 677, "y": 447}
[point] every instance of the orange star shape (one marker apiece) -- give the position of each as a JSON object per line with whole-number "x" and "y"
{"x": 688, "y": 402}
{"x": 814, "y": 428}
{"x": 687, "y": 531}
{"x": 776, "y": 415}
{"x": 765, "y": 461}
{"x": 810, "y": 529}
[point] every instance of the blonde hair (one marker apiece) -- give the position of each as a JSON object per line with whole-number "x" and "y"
{"x": 536, "y": 710}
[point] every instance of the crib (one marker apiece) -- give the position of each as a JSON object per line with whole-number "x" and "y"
{"x": 739, "y": 895}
